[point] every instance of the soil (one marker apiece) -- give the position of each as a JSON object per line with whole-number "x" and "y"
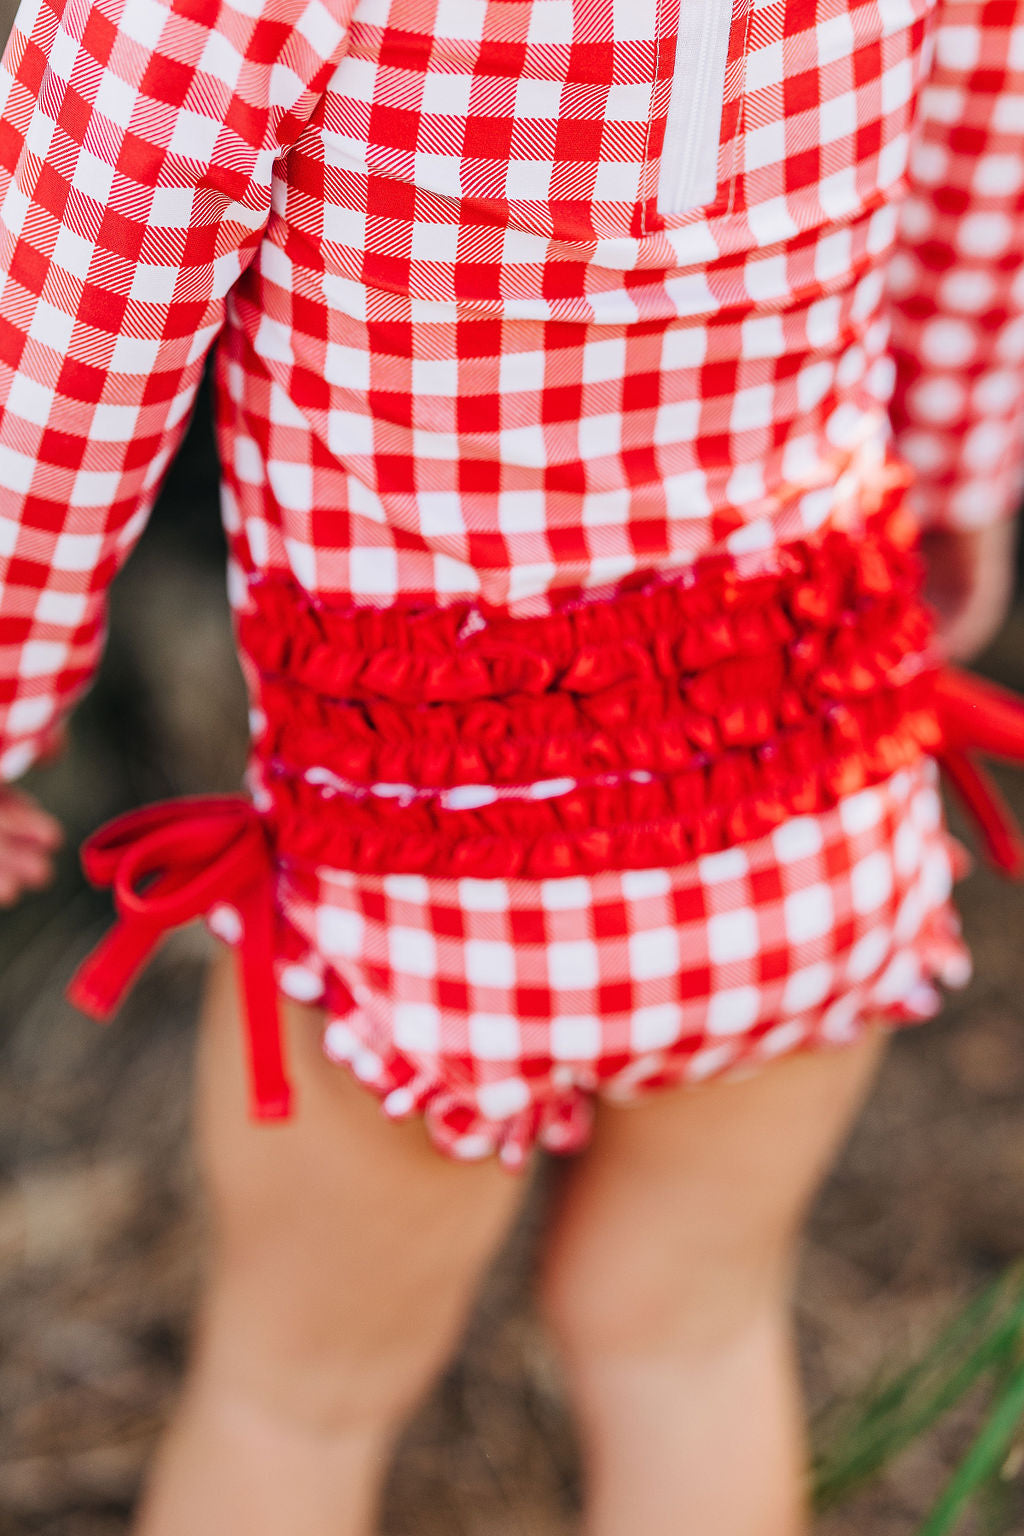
{"x": 100, "y": 1232}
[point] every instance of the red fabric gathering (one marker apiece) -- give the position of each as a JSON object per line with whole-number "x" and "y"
{"x": 672, "y": 627}
{"x": 668, "y": 720}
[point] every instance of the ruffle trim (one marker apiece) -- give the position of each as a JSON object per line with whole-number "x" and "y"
{"x": 559, "y": 1117}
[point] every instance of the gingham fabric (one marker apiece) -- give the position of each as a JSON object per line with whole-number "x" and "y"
{"x": 499, "y": 1008}
{"x": 471, "y": 346}
{"x": 957, "y": 280}
{"x": 462, "y": 351}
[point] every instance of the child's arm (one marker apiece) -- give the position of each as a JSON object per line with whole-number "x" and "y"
{"x": 957, "y": 287}
{"x": 137, "y": 143}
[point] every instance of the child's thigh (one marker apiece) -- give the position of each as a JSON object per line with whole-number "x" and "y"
{"x": 338, "y": 1235}
{"x": 685, "y": 1208}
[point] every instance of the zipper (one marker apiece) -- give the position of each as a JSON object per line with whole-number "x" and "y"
{"x": 688, "y": 175}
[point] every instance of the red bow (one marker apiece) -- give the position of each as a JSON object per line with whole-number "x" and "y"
{"x": 168, "y": 864}
{"x": 978, "y": 716}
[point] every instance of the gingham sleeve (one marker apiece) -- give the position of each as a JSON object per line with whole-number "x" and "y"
{"x": 957, "y": 278}
{"x": 137, "y": 145}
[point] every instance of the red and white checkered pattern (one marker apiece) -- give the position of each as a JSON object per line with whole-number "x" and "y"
{"x": 463, "y": 352}
{"x": 498, "y": 1007}
{"x": 958, "y": 278}
{"x": 137, "y": 151}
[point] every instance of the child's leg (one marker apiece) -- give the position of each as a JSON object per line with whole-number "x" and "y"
{"x": 666, "y": 1280}
{"x": 345, "y": 1253}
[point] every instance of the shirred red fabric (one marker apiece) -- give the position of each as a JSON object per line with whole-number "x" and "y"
{"x": 463, "y": 358}
{"x": 666, "y": 721}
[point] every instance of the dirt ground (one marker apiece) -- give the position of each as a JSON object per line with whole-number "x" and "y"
{"x": 99, "y": 1224}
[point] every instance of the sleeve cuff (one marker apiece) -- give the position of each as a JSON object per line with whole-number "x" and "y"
{"x": 969, "y": 504}
{"x": 17, "y": 757}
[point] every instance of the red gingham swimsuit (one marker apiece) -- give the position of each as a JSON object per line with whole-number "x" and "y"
{"x": 567, "y": 384}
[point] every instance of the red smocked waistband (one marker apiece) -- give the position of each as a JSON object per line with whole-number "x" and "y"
{"x": 673, "y": 718}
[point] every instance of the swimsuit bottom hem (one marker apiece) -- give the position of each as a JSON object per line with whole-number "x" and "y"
{"x": 550, "y": 1104}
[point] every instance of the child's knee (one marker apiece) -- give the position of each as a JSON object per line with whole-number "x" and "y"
{"x": 326, "y": 1379}
{"x": 603, "y": 1300}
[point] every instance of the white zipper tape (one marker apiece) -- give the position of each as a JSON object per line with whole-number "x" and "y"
{"x": 688, "y": 175}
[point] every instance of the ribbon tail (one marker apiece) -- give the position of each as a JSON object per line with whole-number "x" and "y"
{"x": 979, "y": 714}
{"x": 270, "y": 1093}
{"x": 980, "y": 796}
{"x": 107, "y": 972}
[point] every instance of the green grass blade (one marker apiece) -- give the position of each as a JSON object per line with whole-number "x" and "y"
{"x": 998, "y": 1499}
{"x": 885, "y": 1393}
{"x": 888, "y": 1417}
{"x": 984, "y": 1458}
{"x": 995, "y": 1507}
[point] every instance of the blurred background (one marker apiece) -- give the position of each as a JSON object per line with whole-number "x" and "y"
{"x": 101, "y": 1227}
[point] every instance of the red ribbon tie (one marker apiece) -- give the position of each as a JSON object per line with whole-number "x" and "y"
{"x": 168, "y": 864}
{"x": 978, "y": 716}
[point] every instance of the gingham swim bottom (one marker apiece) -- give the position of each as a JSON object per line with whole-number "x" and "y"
{"x": 652, "y": 837}
{"x": 498, "y": 1008}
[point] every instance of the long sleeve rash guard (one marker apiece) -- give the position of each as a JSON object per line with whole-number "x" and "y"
{"x": 475, "y": 339}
